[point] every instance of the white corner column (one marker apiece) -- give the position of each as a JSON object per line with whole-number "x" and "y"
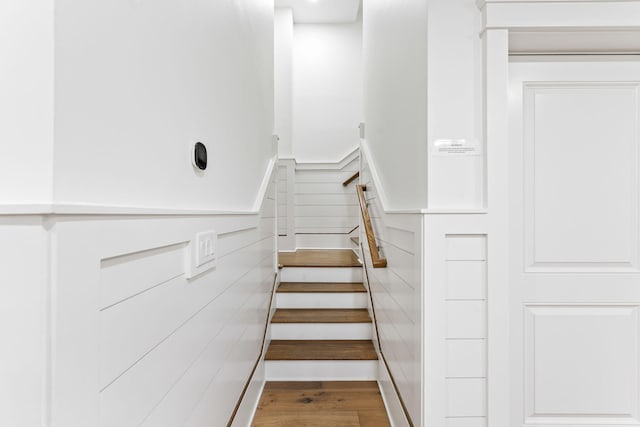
{"x": 496, "y": 51}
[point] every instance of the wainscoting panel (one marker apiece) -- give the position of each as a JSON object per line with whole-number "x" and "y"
{"x": 397, "y": 296}
{"x": 136, "y": 341}
{"x": 321, "y": 212}
{"x": 286, "y": 204}
{"x": 456, "y": 319}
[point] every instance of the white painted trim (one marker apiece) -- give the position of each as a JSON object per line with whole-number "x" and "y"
{"x": 496, "y": 51}
{"x": 97, "y": 209}
{"x": 322, "y": 274}
{"x": 266, "y": 181}
{"x": 389, "y": 395}
{"x": 322, "y": 370}
{"x": 453, "y": 211}
{"x": 481, "y": 3}
{"x": 339, "y": 164}
{"x": 251, "y": 399}
{"x": 323, "y": 300}
{"x": 554, "y": 15}
{"x": 288, "y": 243}
{"x": 321, "y": 331}
{"x": 249, "y": 405}
{"x": 70, "y": 208}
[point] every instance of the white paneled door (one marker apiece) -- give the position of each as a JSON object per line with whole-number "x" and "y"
{"x": 575, "y": 241}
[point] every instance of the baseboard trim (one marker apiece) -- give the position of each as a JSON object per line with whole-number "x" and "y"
{"x": 392, "y": 401}
{"x": 396, "y": 409}
{"x": 246, "y": 406}
{"x": 249, "y": 403}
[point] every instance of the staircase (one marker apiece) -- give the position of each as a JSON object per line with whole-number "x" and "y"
{"x": 321, "y": 365}
{"x": 321, "y": 329}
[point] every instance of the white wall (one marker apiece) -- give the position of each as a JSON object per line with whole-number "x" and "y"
{"x": 327, "y": 90}
{"x": 283, "y": 74}
{"x": 455, "y": 103}
{"x": 395, "y": 97}
{"x": 26, "y": 103}
{"x": 137, "y": 82}
{"x": 423, "y": 83}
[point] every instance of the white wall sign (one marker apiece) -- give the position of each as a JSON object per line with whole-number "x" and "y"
{"x": 456, "y": 147}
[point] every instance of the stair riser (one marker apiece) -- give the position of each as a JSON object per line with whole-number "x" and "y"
{"x": 321, "y": 300}
{"x": 321, "y": 370}
{"x": 321, "y": 331}
{"x": 321, "y": 274}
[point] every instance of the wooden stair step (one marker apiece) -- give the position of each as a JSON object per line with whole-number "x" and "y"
{"x": 321, "y": 398}
{"x": 321, "y": 287}
{"x": 310, "y": 419}
{"x": 320, "y": 315}
{"x": 321, "y": 350}
{"x": 319, "y": 258}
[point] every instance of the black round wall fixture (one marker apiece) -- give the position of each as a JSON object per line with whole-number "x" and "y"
{"x": 200, "y": 156}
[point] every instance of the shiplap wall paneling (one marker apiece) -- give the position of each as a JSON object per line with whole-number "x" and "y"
{"x": 24, "y": 295}
{"x": 282, "y": 200}
{"x": 397, "y": 296}
{"x": 466, "y": 330}
{"x": 137, "y": 343}
{"x": 286, "y": 205}
{"x": 325, "y": 210}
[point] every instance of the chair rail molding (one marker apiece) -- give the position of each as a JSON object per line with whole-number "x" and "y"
{"x": 338, "y": 164}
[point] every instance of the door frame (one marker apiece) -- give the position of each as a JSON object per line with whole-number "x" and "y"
{"x": 507, "y": 26}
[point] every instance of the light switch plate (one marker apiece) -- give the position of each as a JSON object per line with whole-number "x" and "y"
{"x": 202, "y": 253}
{"x": 205, "y": 247}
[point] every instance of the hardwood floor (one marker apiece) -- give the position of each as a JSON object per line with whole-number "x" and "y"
{"x": 321, "y": 404}
{"x": 320, "y": 315}
{"x": 321, "y": 350}
{"x": 319, "y": 258}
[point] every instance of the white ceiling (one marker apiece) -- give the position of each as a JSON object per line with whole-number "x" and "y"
{"x": 322, "y": 11}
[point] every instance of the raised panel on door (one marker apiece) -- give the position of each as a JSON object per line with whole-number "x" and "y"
{"x": 574, "y": 234}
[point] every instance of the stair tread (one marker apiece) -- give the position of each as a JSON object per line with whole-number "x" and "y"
{"x": 319, "y": 258}
{"x": 321, "y": 398}
{"x": 321, "y": 287}
{"x": 321, "y": 350}
{"x": 356, "y": 240}
{"x": 321, "y": 315}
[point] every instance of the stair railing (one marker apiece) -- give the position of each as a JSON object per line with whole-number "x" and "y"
{"x": 351, "y": 179}
{"x": 377, "y": 260}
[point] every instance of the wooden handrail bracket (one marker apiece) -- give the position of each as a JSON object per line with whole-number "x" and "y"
{"x": 378, "y": 261}
{"x": 351, "y": 179}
